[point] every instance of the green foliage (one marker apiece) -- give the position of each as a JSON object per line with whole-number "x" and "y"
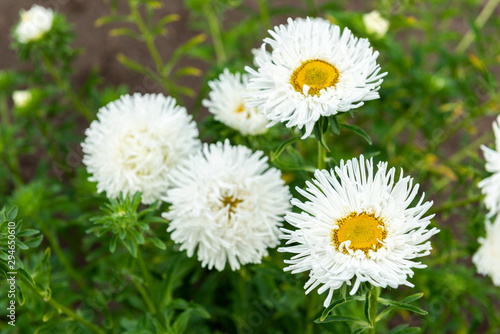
{"x": 103, "y": 265}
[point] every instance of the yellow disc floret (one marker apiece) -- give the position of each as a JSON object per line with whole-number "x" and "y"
{"x": 364, "y": 230}
{"x": 317, "y": 74}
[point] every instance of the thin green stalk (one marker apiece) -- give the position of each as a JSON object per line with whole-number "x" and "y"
{"x": 54, "y": 244}
{"x": 213, "y": 24}
{"x": 153, "y": 50}
{"x": 145, "y": 295}
{"x": 372, "y": 311}
{"x": 480, "y": 21}
{"x": 264, "y": 14}
{"x": 144, "y": 269}
{"x": 321, "y": 156}
{"x": 65, "y": 87}
{"x": 311, "y": 312}
{"x": 61, "y": 308}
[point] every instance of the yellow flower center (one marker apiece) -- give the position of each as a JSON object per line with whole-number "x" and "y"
{"x": 317, "y": 74}
{"x": 364, "y": 230}
{"x": 232, "y": 202}
{"x": 240, "y": 109}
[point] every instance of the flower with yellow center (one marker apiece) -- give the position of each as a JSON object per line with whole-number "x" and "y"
{"x": 227, "y": 105}
{"x": 357, "y": 226}
{"x": 136, "y": 142}
{"x": 227, "y": 206}
{"x": 314, "y": 70}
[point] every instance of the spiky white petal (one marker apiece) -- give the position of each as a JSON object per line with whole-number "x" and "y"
{"x": 203, "y": 218}
{"x": 308, "y": 39}
{"x": 136, "y": 142}
{"x": 227, "y": 104}
{"x": 487, "y": 257}
{"x": 490, "y": 186}
{"x": 35, "y": 23}
{"x": 354, "y": 187}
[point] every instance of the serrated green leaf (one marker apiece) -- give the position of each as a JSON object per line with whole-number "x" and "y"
{"x": 358, "y": 131}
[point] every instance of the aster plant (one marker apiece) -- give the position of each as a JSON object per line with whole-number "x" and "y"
{"x": 252, "y": 168}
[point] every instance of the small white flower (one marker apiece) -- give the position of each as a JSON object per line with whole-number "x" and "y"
{"x": 357, "y": 226}
{"x": 21, "y": 98}
{"x": 490, "y": 185}
{"x": 375, "y": 24}
{"x": 34, "y": 23}
{"x": 228, "y": 204}
{"x": 227, "y": 105}
{"x": 136, "y": 142}
{"x": 314, "y": 70}
{"x": 487, "y": 257}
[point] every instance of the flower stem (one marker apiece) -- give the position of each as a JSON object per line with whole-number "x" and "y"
{"x": 321, "y": 155}
{"x": 372, "y": 311}
{"x": 480, "y": 21}
{"x": 264, "y": 14}
{"x": 65, "y": 87}
{"x": 61, "y": 308}
{"x": 145, "y": 295}
{"x": 213, "y": 24}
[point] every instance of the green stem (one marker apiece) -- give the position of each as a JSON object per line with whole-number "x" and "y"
{"x": 264, "y": 14}
{"x": 321, "y": 156}
{"x": 145, "y": 295}
{"x": 61, "y": 308}
{"x": 54, "y": 244}
{"x": 144, "y": 269}
{"x": 372, "y": 311}
{"x": 65, "y": 87}
{"x": 311, "y": 312}
{"x": 153, "y": 50}
{"x": 480, "y": 21}
{"x": 213, "y": 24}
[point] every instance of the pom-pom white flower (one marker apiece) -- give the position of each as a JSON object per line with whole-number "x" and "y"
{"x": 490, "y": 185}
{"x": 375, "y": 24}
{"x": 227, "y": 105}
{"x": 136, "y": 142}
{"x": 227, "y": 203}
{"x": 34, "y": 23}
{"x": 314, "y": 70}
{"x": 357, "y": 226}
{"x": 487, "y": 257}
{"x": 21, "y": 98}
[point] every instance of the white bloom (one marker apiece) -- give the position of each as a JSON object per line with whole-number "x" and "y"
{"x": 136, "y": 142}
{"x": 375, "y": 24}
{"x": 487, "y": 257}
{"x": 34, "y": 24}
{"x": 314, "y": 70}
{"x": 228, "y": 203}
{"x": 228, "y": 107}
{"x": 21, "y": 98}
{"x": 357, "y": 226}
{"x": 490, "y": 186}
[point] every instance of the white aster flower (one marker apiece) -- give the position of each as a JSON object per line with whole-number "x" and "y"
{"x": 357, "y": 226}
{"x": 21, "y": 98}
{"x": 490, "y": 185}
{"x": 227, "y": 203}
{"x": 314, "y": 70}
{"x": 34, "y": 24}
{"x": 227, "y": 105}
{"x": 375, "y": 24}
{"x": 136, "y": 142}
{"x": 487, "y": 257}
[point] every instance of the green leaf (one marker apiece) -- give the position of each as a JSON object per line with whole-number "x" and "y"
{"x": 11, "y": 215}
{"x": 334, "y": 124}
{"x": 158, "y": 243}
{"x": 112, "y": 244}
{"x": 404, "y": 329}
{"x": 125, "y": 32}
{"x": 359, "y": 131}
{"x": 182, "y": 50}
{"x": 408, "y": 299}
{"x": 343, "y": 318}
{"x": 359, "y": 330}
{"x": 27, "y": 232}
{"x": 367, "y": 308}
{"x": 131, "y": 64}
{"x": 188, "y": 70}
{"x": 335, "y": 304}
{"x": 166, "y": 20}
{"x": 319, "y": 130}
{"x": 281, "y": 148}
{"x": 289, "y": 166}
{"x": 402, "y": 305}
{"x": 111, "y": 19}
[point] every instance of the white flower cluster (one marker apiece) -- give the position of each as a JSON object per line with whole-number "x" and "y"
{"x": 34, "y": 24}
{"x": 487, "y": 258}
